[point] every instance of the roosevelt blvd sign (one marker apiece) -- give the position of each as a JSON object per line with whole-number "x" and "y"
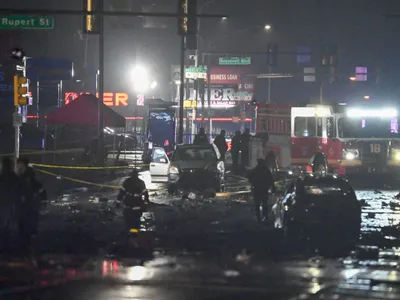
{"x": 235, "y": 61}
{"x": 26, "y": 22}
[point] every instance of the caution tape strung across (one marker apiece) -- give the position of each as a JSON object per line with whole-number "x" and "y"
{"x": 86, "y": 168}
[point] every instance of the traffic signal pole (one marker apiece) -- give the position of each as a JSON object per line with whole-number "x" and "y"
{"x": 100, "y": 154}
{"x": 181, "y": 90}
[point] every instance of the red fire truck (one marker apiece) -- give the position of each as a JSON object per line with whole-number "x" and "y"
{"x": 344, "y": 140}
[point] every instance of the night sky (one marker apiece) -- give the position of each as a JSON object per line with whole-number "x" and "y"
{"x": 359, "y": 28}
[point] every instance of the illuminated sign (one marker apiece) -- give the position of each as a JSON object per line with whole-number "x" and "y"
{"x": 109, "y": 99}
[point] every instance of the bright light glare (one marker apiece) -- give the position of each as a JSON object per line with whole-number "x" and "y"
{"x": 140, "y": 79}
{"x": 350, "y": 156}
{"x": 397, "y": 156}
{"x": 224, "y": 18}
{"x": 381, "y": 113}
{"x": 267, "y": 27}
{"x": 353, "y": 78}
{"x": 153, "y": 85}
{"x": 137, "y": 273}
{"x": 366, "y": 97}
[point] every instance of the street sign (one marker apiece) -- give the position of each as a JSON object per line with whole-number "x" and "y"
{"x": 49, "y": 69}
{"x": 26, "y": 22}
{"x": 243, "y": 95}
{"x": 235, "y": 60}
{"x": 196, "y": 72}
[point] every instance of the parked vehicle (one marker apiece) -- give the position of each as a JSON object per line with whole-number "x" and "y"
{"x": 196, "y": 167}
{"x": 318, "y": 205}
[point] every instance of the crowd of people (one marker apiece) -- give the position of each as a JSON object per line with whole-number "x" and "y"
{"x": 239, "y": 147}
{"x": 259, "y": 177}
{"x": 21, "y": 195}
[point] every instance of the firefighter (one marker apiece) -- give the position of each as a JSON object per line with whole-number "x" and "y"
{"x": 221, "y": 144}
{"x": 262, "y": 181}
{"x": 201, "y": 137}
{"x": 134, "y": 196}
{"x": 235, "y": 150}
{"x": 28, "y": 211}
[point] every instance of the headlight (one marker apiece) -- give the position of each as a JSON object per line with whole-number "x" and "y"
{"x": 350, "y": 154}
{"x": 396, "y": 154}
{"x": 173, "y": 170}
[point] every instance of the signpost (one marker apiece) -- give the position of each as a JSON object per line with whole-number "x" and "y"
{"x": 235, "y": 61}
{"x": 26, "y": 22}
{"x": 49, "y": 69}
{"x": 196, "y": 73}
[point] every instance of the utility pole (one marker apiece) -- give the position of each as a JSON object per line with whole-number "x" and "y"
{"x": 100, "y": 153}
{"x": 181, "y": 90}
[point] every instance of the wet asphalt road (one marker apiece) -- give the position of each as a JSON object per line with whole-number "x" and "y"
{"x": 206, "y": 249}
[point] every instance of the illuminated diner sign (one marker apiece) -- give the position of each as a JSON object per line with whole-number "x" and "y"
{"x": 109, "y": 99}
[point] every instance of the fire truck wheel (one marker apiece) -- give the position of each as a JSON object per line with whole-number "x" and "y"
{"x": 319, "y": 165}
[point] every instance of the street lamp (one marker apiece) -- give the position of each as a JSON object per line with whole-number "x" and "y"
{"x": 267, "y": 27}
{"x": 141, "y": 80}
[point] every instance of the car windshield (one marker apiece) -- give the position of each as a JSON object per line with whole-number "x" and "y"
{"x": 194, "y": 153}
{"x": 368, "y": 127}
{"x": 323, "y": 187}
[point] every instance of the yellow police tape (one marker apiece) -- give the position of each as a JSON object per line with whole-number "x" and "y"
{"x": 86, "y": 168}
{"x": 79, "y": 181}
{"x": 38, "y": 152}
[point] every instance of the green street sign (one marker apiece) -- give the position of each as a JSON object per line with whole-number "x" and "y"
{"x": 235, "y": 61}
{"x": 196, "y": 73}
{"x": 26, "y": 22}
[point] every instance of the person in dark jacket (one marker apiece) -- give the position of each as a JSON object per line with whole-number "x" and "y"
{"x": 28, "y": 210}
{"x": 134, "y": 195}
{"x": 235, "y": 150}
{"x": 262, "y": 181}
{"x": 245, "y": 147}
{"x": 221, "y": 144}
{"x": 11, "y": 192}
{"x": 201, "y": 137}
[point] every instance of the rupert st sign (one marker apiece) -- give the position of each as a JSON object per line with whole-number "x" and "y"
{"x": 109, "y": 99}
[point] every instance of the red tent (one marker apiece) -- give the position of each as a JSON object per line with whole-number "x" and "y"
{"x": 83, "y": 112}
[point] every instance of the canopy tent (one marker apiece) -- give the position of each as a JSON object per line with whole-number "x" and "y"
{"x": 83, "y": 111}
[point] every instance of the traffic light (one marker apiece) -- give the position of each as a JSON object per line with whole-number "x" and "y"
{"x": 272, "y": 55}
{"x": 20, "y": 90}
{"x": 90, "y": 25}
{"x": 192, "y": 17}
{"x": 329, "y": 56}
{"x": 187, "y": 25}
{"x": 182, "y": 21}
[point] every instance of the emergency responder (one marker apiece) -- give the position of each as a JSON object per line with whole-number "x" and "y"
{"x": 221, "y": 144}
{"x": 134, "y": 196}
{"x": 201, "y": 137}
{"x": 245, "y": 144}
{"x": 10, "y": 195}
{"x": 235, "y": 150}
{"x": 262, "y": 181}
{"x": 28, "y": 210}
